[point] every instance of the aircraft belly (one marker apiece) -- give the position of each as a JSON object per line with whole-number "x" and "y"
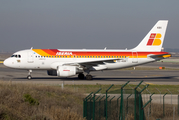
{"x": 129, "y": 63}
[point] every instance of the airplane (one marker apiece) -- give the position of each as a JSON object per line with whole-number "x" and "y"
{"x": 71, "y": 62}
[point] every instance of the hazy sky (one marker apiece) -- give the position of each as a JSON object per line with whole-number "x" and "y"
{"x": 91, "y": 24}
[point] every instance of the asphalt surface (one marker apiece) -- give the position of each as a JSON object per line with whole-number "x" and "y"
{"x": 151, "y": 76}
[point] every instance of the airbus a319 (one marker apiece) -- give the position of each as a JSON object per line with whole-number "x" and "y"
{"x": 70, "y": 62}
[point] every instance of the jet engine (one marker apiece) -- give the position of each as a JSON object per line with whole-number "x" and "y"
{"x": 65, "y": 71}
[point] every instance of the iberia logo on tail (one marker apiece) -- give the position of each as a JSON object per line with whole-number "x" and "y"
{"x": 154, "y": 39}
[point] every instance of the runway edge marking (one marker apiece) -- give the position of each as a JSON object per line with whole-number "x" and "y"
{"x": 149, "y": 83}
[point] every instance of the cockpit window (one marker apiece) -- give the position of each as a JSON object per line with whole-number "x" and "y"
{"x": 16, "y": 56}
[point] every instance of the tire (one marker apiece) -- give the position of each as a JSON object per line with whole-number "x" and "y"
{"x": 89, "y": 77}
{"x": 29, "y": 77}
{"x": 81, "y": 76}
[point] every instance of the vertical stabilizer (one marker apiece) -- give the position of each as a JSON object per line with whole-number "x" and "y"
{"x": 153, "y": 41}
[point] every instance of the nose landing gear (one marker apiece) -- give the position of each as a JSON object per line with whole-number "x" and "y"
{"x": 29, "y": 75}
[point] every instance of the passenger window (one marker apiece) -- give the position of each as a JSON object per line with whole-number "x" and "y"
{"x": 16, "y": 56}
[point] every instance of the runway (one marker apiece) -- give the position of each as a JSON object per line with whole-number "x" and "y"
{"x": 154, "y": 76}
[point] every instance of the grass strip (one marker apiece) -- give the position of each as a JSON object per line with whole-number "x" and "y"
{"x": 116, "y": 89}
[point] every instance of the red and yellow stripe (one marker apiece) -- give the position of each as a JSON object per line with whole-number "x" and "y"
{"x": 54, "y": 52}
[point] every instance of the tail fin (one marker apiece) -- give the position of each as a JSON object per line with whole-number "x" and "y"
{"x": 153, "y": 41}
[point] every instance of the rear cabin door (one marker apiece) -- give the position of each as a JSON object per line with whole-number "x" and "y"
{"x": 134, "y": 57}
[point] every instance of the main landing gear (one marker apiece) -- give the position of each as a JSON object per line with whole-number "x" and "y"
{"x": 29, "y": 75}
{"x": 88, "y": 76}
{"x": 81, "y": 76}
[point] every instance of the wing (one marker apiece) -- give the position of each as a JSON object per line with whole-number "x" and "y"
{"x": 91, "y": 63}
{"x": 88, "y": 64}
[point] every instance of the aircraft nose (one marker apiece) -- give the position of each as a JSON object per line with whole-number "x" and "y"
{"x": 6, "y": 62}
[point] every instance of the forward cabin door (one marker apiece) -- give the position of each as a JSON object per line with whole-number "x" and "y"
{"x": 30, "y": 57}
{"x": 134, "y": 57}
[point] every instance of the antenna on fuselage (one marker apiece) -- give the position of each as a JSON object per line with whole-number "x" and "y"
{"x": 31, "y": 48}
{"x": 105, "y": 48}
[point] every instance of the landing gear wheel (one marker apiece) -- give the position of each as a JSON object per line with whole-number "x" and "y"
{"x": 81, "y": 76}
{"x": 29, "y": 77}
{"x": 89, "y": 77}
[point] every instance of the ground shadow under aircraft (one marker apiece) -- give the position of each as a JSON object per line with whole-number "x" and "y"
{"x": 146, "y": 79}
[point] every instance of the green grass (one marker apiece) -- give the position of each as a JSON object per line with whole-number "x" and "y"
{"x": 116, "y": 89}
{"x": 149, "y": 68}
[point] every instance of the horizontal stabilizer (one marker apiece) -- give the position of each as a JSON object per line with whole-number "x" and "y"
{"x": 159, "y": 56}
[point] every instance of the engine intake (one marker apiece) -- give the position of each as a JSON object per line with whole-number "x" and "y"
{"x": 52, "y": 72}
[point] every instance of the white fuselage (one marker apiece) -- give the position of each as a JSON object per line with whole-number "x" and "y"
{"x": 33, "y": 61}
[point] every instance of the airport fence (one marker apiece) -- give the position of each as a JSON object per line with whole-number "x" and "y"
{"x": 131, "y": 104}
{"x": 128, "y": 104}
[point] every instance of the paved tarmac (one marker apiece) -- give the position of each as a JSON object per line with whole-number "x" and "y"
{"x": 154, "y": 76}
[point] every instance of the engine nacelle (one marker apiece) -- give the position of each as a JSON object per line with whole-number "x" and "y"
{"x": 52, "y": 72}
{"x": 65, "y": 71}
